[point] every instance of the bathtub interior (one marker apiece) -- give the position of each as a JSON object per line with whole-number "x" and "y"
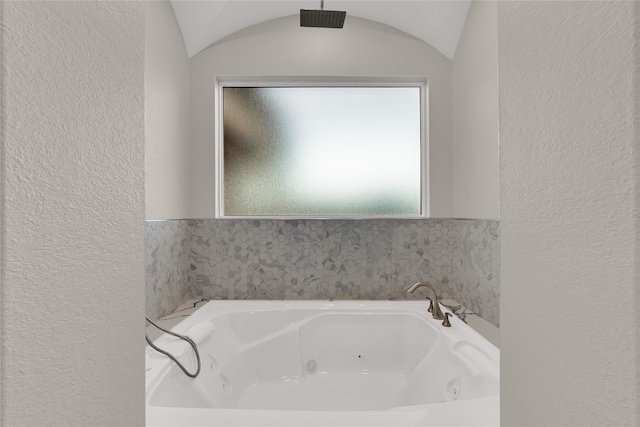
{"x": 338, "y": 358}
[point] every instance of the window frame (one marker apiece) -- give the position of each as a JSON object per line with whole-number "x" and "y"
{"x": 315, "y": 81}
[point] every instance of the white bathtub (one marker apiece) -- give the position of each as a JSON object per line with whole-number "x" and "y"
{"x": 295, "y": 363}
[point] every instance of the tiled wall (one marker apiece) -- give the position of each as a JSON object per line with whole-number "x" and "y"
{"x": 311, "y": 259}
{"x": 167, "y": 266}
{"x": 376, "y": 259}
{"x": 476, "y": 267}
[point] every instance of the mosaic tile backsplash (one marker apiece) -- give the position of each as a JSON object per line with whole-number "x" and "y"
{"x": 297, "y": 259}
{"x": 336, "y": 259}
{"x": 167, "y": 266}
{"x": 476, "y": 267}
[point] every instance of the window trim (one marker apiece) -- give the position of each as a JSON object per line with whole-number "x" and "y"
{"x": 315, "y": 81}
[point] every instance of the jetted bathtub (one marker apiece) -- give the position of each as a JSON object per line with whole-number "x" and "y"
{"x": 323, "y": 363}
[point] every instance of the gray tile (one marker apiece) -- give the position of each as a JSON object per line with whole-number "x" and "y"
{"x": 311, "y": 259}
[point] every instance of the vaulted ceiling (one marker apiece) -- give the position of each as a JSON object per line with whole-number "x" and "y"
{"x": 438, "y": 23}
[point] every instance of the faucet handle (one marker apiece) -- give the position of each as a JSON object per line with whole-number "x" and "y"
{"x": 446, "y": 322}
{"x": 430, "y": 310}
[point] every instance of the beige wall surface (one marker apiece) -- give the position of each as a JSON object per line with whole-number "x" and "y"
{"x": 282, "y": 48}
{"x": 475, "y": 116}
{"x": 569, "y": 195}
{"x": 72, "y": 213}
{"x": 166, "y": 115}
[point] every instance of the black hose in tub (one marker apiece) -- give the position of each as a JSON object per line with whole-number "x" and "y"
{"x": 182, "y": 337}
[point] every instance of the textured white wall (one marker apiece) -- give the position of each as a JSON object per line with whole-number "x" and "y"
{"x": 282, "y": 47}
{"x": 167, "y": 108}
{"x": 2, "y": 202}
{"x": 73, "y": 213}
{"x": 569, "y": 173}
{"x": 475, "y": 115}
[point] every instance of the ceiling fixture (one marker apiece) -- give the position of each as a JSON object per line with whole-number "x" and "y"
{"x": 322, "y": 18}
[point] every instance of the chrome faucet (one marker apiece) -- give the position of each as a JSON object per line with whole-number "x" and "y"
{"x": 434, "y": 308}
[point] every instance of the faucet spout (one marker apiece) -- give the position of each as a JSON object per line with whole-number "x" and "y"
{"x": 437, "y": 313}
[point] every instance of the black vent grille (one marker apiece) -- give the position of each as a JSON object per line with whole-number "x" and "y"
{"x": 322, "y": 18}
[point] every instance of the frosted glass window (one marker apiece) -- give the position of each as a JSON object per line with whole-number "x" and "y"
{"x": 322, "y": 151}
